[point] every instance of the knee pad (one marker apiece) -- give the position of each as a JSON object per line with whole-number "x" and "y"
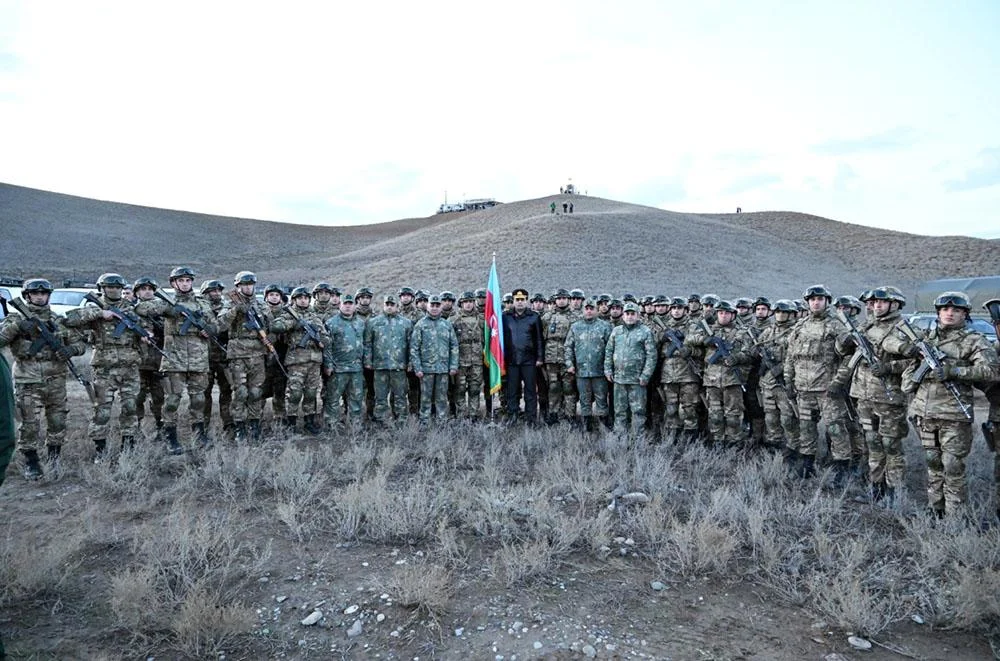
{"x": 102, "y": 415}
{"x": 836, "y": 429}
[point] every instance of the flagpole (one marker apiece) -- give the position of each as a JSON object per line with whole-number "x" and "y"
{"x": 493, "y": 398}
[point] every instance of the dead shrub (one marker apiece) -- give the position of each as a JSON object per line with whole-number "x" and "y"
{"x": 427, "y": 588}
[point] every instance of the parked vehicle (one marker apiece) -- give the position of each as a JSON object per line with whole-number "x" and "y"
{"x": 65, "y": 299}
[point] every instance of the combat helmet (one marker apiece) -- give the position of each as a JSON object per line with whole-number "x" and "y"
{"x": 300, "y": 291}
{"x": 182, "y": 272}
{"x": 725, "y": 306}
{"x": 273, "y": 287}
{"x": 710, "y": 300}
{"x": 467, "y": 296}
{"x": 207, "y": 286}
{"x": 111, "y": 280}
{"x": 955, "y": 299}
{"x": 245, "y": 278}
{"x": 324, "y": 286}
{"x": 785, "y": 305}
{"x": 36, "y": 284}
{"x": 817, "y": 290}
{"x": 577, "y": 293}
{"x": 145, "y": 281}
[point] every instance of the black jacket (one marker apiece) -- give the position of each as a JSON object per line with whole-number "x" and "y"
{"x": 523, "y": 343}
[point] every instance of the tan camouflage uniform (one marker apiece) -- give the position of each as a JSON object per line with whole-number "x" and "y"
{"x": 469, "y": 380}
{"x": 561, "y": 385}
{"x": 247, "y": 356}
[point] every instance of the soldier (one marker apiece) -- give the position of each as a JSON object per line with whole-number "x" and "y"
{"x": 561, "y": 384}
{"x": 306, "y": 338}
{"x": 433, "y": 358}
{"x": 407, "y": 309}
{"x": 629, "y": 360}
{"x": 507, "y": 304}
{"x": 420, "y": 300}
{"x": 583, "y": 357}
{"x": 481, "y": 302}
{"x": 780, "y": 419}
{"x": 680, "y": 376}
{"x": 325, "y": 300}
{"x": 991, "y": 428}
{"x": 762, "y": 313}
{"x": 604, "y": 307}
{"x": 447, "y": 304}
{"x": 524, "y": 347}
{"x": 218, "y": 366}
{"x": 188, "y": 325}
{"x": 538, "y": 303}
{"x": 247, "y": 354}
{"x": 115, "y": 361}
{"x": 848, "y": 406}
{"x": 615, "y": 310}
{"x": 942, "y": 403}
{"x": 724, "y": 381}
{"x": 275, "y": 380}
{"x": 363, "y": 302}
{"x": 343, "y": 362}
{"x": 39, "y": 372}
{"x": 811, "y": 363}
{"x": 754, "y": 321}
{"x": 694, "y": 305}
{"x": 576, "y": 299}
{"x": 744, "y": 312}
{"x": 471, "y": 340}
{"x": 150, "y": 378}
{"x": 387, "y": 354}
{"x": 708, "y": 303}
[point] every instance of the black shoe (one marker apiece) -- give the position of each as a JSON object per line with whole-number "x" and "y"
{"x": 240, "y": 431}
{"x": 312, "y": 427}
{"x": 173, "y": 445}
{"x": 52, "y": 452}
{"x": 841, "y": 473}
{"x": 806, "y": 466}
{"x": 32, "y": 467}
{"x": 289, "y": 422}
{"x": 100, "y": 445}
{"x": 253, "y": 430}
{"x": 128, "y": 442}
{"x": 200, "y": 436}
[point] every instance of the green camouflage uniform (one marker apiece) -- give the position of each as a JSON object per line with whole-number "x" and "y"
{"x": 247, "y": 358}
{"x": 722, "y": 382}
{"x": 387, "y": 352}
{"x": 945, "y": 433}
{"x": 344, "y": 358}
{"x": 218, "y": 374}
{"x": 780, "y": 421}
{"x": 275, "y": 382}
{"x": 434, "y": 351}
{"x": 469, "y": 380}
{"x": 150, "y": 378}
{"x": 40, "y": 376}
{"x": 629, "y": 361}
{"x": 115, "y": 365}
{"x": 303, "y": 358}
{"x": 561, "y": 385}
{"x": 584, "y": 352}
{"x": 680, "y": 384}
{"x": 811, "y": 364}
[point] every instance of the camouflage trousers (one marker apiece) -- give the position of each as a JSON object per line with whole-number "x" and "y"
{"x": 107, "y": 381}
{"x": 466, "y": 391}
{"x": 813, "y": 407}
{"x": 885, "y": 428}
{"x": 593, "y": 392}
{"x": 304, "y": 382}
{"x": 780, "y": 421}
{"x": 349, "y": 385}
{"x": 275, "y": 388}
{"x": 630, "y": 398}
{"x": 246, "y": 376}
{"x": 993, "y": 441}
{"x": 725, "y": 413}
{"x": 946, "y": 444}
{"x": 218, "y": 375}
{"x": 34, "y": 399}
{"x": 434, "y": 392}
{"x": 680, "y": 405}
{"x": 391, "y": 393}
{"x": 174, "y": 384}
{"x": 562, "y": 390}
{"x": 150, "y": 386}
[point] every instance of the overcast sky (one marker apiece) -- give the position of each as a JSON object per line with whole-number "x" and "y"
{"x": 880, "y": 113}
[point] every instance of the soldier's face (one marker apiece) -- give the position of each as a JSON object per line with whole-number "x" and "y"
{"x": 434, "y": 309}
{"x": 694, "y": 308}
{"x": 630, "y": 317}
{"x": 245, "y": 288}
{"x": 881, "y": 307}
{"x": 335, "y": 299}
{"x": 347, "y": 307}
{"x": 520, "y": 303}
{"x": 742, "y": 310}
{"x": 762, "y": 311}
{"x": 405, "y": 299}
{"x": 782, "y": 317}
{"x": 323, "y": 296}
{"x": 538, "y": 306}
{"x": 817, "y": 303}
{"x": 616, "y": 312}
{"x": 468, "y": 305}
{"x": 602, "y": 307}
{"x": 273, "y": 297}
{"x": 707, "y": 311}
{"x": 301, "y": 301}
{"x": 951, "y": 317}
{"x": 389, "y": 307}
{"x": 364, "y": 300}
{"x": 112, "y": 292}
{"x": 725, "y": 317}
{"x": 127, "y": 294}
{"x": 183, "y": 284}
{"x": 677, "y": 312}
{"x": 576, "y": 303}
{"x": 447, "y": 306}
{"x": 561, "y": 302}
{"x": 660, "y": 309}
{"x": 144, "y": 293}
{"x": 589, "y": 312}
{"x": 38, "y": 298}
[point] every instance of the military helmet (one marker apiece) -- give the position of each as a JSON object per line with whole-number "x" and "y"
{"x": 405, "y": 291}
{"x": 207, "y": 286}
{"x": 448, "y": 296}
{"x": 324, "y": 286}
{"x": 955, "y": 299}
{"x": 604, "y": 298}
{"x": 856, "y": 304}
{"x": 896, "y": 295}
{"x": 678, "y": 302}
{"x": 744, "y": 302}
{"x": 112, "y": 280}
{"x": 182, "y": 272}
{"x": 560, "y": 293}
{"x": 629, "y": 297}
{"x": 300, "y": 291}
{"x": 421, "y": 295}
{"x": 273, "y": 287}
{"x": 577, "y": 293}
{"x": 724, "y": 306}
{"x": 710, "y": 300}
{"x": 508, "y": 298}
{"x": 991, "y": 305}
{"x": 762, "y": 300}
{"x": 467, "y": 296}
{"x": 800, "y": 306}
{"x": 661, "y": 300}
{"x": 538, "y": 296}
{"x": 245, "y": 278}
{"x": 145, "y": 281}
{"x": 694, "y": 298}
{"x": 817, "y": 290}
{"x": 784, "y": 305}
{"x": 880, "y": 294}
{"x": 480, "y": 293}
{"x": 363, "y": 291}
{"x": 865, "y": 295}
{"x": 615, "y": 303}
{"x": 647, "y": 300}
{"x": 843, "y": 302}
{"x": 36, "y": 284}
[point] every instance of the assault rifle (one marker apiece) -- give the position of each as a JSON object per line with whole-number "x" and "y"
{"x": 993, "y": 307}
{"x": 127, "y": 320}
{"x": 933, "y": 361}
{"x": 311, "y": 333}
{"x": 47, "y": 336}
{"x": 255, "y": 323}
{"x": 676, "y": 340}
{"x": 723, "y": 350}
{"x": 865, "y": 350}
{"x": 192, "y": 319}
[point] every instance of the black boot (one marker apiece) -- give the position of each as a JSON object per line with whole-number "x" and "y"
{"x": 128, "y": 442}
{"x": 173, "y": 445}
{"x": 253, "y": 430}
{"x": 53, "y": 452}
{"x": 790, "y": 458}
{"x": 240, "y": 431}
{"x": 841, "y": 473}
{"x": 806, "y": 466}
{"x": 289, "y": 422}
{"x": 609, "y": 422}
{"x": 589, "y": 424}
{"x": 200, "y": 436}
{"x": 159, "y": 430}
{"x": 312, "y": 426}
{"x": 100, "y": 445}
{"x": 32, "y": 467}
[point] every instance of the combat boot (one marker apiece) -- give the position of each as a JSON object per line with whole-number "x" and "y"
{"x": 200, "y": 436}
{"x": 806, "y": 466}
{"x": 173, "y": 445}
{"x": 128, "y": 442}
{"x": 253, "y": 430}
{"x": 32, "y": 467}
{"x": 240, "y": 431}
{"x": 312, "y": 426}
{"x": 289, "y": 422}
{"x": 100, "y": 445}
{"x": 609, "y": 422}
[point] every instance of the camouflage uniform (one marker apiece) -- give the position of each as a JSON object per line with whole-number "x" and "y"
{"x": 343, "y": 359}
{"x": 150, "y": 378}
{"x": 629, "y": 360}
{"x": 303, "y": 361}
{"x": 115, "y": 365}
{"x": 780, "y": 420}
{"x": 40, "y": 377}
{"x": 679, "y": 384}
{"x": 561, "y": 385}
{"x": 247, "y": 356}
{"x": 945, "y": 433}
{"x": 583, "y": 352}
{"x": 364, "y": 312}
{"x": 275, "y": 385}
{"x": 433, "y": 351}
{"x": 387, "y": 353}
{"x": 722, "y": 382}
{"x": 218, "y": 373}
{"x": 469, "y": 380}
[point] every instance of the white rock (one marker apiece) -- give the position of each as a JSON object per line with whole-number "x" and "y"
{"x": 657, "y": 585}
{"x": 355, "y": 629}
{"x": 312, "y": 618}
{"x": 833, "y": 656}
{"x": 859, "y": 643}
{"x": 537, "y": 645}
{"x": 636, "y": 497}
{"x": 459, "y": 631}
{"x": 589, "y": 651}
{"x": 619, "y": 540}
{"x": 380, "y": 617}
{"x": 916, "y": 618}
{"x": 384, "y": 596}
{"x": 350, "y": 610}
{"x": 517, "y": 625}
{"x": 629, "y": 542}
{"x": 281, "y": 599}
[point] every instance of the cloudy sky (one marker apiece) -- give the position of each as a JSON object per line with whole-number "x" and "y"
{"x": 880, "y": 113}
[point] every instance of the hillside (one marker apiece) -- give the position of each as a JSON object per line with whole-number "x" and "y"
{"x": 604, "y": 246}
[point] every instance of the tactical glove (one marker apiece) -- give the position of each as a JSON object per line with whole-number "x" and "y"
{"x": 909, "y": 350}
{"x": 880, "y": 369}
{"x": 64, "y": 353}
{"x": 776, "y": 371}
{"x": 837, "y": 390}
{"x": 847, "y": 341}
{"x": 27, "y": 326}
{"x": 729, "y": 361}
{"x": 684, "y": 352}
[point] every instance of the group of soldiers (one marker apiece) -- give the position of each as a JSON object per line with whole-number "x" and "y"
{"x": 746, "y": 373}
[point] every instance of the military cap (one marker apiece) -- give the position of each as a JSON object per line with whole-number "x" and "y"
{"x": 630, "y": 307}
{"x": 467, "y": 296}
{"x": 724, "y": 306}
{"x": 480, "y": 293}
{"x": 421, "y": 295}
{"x": 520, "y": 292}
{"x": 560, "y": 293}
{"x": 577, "y": 293}
{"x": 363, "y": 291}
{"x": 538, "y": 297}
{"x": 389, "y": 299}
{"x": 434, "y": 299}
{"x": 347, "y": 298}
{"x": 590, "y": 303}
{"x": 405, "y": 291}
{"x": 448, "y": 296}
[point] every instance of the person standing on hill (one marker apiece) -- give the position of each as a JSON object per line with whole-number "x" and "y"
{"x": 524, "y": 349}
{"x": 150, "y": 378}
{"x": 555, "y": 327}
{"x": 629, "y": 361}
{"x": 433, "y": 359}
{"x": 342, "y": 363}
{"x": 583, "y": 355}
{"x": 306, "y": 339}
{"x": 387, "y": 354}
{"x": 552, "y": 207}
{"x": 218, "y": 366}
{"x": 680, "y": 380}
{"x": 471, "y": 340}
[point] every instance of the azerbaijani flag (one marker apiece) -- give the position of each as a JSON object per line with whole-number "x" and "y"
{"x": 493, "y": 331}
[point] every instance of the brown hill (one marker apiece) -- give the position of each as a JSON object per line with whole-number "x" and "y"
{"x": 604, "y": 246}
